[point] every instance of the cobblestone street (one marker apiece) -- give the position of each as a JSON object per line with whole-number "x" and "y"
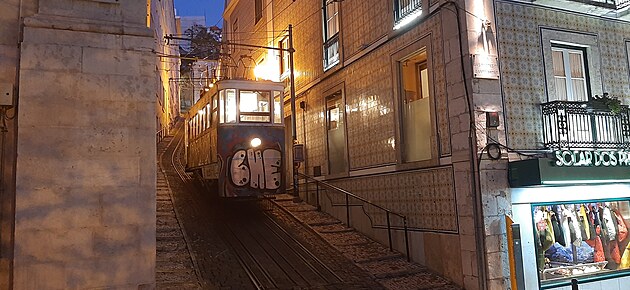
{"x": 191, "y": 254}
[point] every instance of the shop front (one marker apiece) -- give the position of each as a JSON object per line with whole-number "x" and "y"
{"x": 573, "y": 212}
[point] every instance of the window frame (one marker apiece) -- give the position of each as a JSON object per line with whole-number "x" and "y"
{"x": 258, "y": 10}
{"x": 283, "y": 60}
{"x": 396, "y": 58}
{"x": 402, "y": 16}
{"x": 589, "y": 42}
{"x": 331, "y": 39}
{"x": 566, "y": 50}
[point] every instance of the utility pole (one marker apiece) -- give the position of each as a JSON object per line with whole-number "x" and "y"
{"x": 296, "y": 190}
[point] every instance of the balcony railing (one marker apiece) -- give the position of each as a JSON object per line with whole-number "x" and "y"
{"x": 578, "y": 125}
{"x": 405, "y": 8}
{"x": 612, "y": 4}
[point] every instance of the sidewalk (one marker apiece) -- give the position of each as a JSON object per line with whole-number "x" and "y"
{"x": 390, "y": 269}
{"x": 174, "y": 264}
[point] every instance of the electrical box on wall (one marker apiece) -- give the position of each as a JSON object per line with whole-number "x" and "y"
{"x": 6, "y": 94}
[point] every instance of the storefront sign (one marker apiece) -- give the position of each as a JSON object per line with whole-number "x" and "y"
{"x": 577, "y": 158}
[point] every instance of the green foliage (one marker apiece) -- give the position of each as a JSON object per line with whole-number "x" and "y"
{"x": 611, "y": 104}
{"x": 205, "y": 43}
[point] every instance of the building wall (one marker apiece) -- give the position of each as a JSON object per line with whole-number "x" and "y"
{"x": 436, "y": 195}
{"x": 84, "y": 207}
{"x": 9, "y": 59}
{"x": 520, "y": 34}
{"x": 519, "y": 31}
{"x": 241, "y": 27}
{"x": 167, "y": 66}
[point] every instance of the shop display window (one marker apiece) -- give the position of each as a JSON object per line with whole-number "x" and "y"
{"x": 580, "y": 239}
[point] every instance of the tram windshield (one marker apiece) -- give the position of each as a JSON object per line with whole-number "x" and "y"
{"x": 247, "y": 106}
{"x": 254, "y": 106}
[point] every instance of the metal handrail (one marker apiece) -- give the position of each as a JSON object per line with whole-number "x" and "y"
{"x": 347, "y": 195}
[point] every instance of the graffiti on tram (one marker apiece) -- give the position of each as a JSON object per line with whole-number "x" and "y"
{"x": 258, "y": 169}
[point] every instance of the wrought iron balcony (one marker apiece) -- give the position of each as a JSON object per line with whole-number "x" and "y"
{"x": 585, "y": 125}
{"x": 612, "y": 4}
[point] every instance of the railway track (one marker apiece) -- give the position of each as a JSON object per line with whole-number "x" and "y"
{"x": 268, "y": 254}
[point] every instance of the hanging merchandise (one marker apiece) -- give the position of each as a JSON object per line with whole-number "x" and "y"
{"x": 596, "y": 243}
{"x": 609, "y": 224}
{"x": 596, "y": 231}
{"x": 621, "y": 225}
{"x": 625, "y": 259}
{"x": 585, "y": 224}
{"x": 557, "y": 227}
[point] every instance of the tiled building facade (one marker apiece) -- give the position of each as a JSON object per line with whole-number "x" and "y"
{"x": 439, "y": 149}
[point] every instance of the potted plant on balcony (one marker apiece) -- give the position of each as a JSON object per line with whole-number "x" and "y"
{"x": 604, "y": 103}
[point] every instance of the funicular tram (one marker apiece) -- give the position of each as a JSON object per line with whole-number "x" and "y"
{"x": 235, "y": 137}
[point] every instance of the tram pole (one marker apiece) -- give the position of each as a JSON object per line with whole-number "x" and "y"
{"x": 296, "y": 190}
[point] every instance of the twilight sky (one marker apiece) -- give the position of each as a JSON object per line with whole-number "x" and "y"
{"x": 213, "y": 9}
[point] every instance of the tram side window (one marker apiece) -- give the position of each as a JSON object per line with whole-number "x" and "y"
{"x": 221, "y": 107}
{"x": 230, "y": 106}
{"x": 208, "y": 119}
{"x": 214, "y": 110}
{"x": 254, "y": 106}
{"x": 277, "y": 107}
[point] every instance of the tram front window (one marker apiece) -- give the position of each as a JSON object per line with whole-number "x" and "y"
{"x": 230, "y": 106}
{"x": 254, "y": 106}
{"x": 277, "y": 107}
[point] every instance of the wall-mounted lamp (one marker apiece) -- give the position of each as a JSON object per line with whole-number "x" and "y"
{"x": 485, "y": 24}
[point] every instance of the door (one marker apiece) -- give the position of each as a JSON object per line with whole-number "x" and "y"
{"x": 336, "y": 133}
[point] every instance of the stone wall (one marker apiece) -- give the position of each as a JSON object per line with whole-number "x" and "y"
{"x": 85, "y": 196}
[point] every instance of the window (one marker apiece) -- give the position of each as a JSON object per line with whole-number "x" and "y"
{"x": 569, "y": 72}
{"x": 406, "y": 11}
{"x": 258, "y": 9}
{"x": 277, "y": 107}
{"x": 254, "y": 106}
{"x": 336, "y": 134}
{"x": 331, "y": 33}
{"x": 284, "y": 57}
{"x": 595, "y": 230}
{"x": 235, "y": 31}
{"x": 230, "y": 106}
{"x": 416, "y": 112}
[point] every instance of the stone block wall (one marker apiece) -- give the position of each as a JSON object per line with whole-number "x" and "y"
{"x": 85, "y": 171}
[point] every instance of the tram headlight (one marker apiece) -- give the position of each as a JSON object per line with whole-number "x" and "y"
{"x": 256, "y": 142}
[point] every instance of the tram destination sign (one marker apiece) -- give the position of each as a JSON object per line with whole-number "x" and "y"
{"x": 592, "y": 158}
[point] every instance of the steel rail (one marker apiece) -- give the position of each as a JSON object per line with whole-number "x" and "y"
{"x": 179, "y": 169}
{"x": 303, "y": 248}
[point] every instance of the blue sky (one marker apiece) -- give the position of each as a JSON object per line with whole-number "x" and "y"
{"x": 211, "y": 8}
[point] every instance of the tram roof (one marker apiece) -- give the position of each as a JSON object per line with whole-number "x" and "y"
{"x": 248, "y": 85}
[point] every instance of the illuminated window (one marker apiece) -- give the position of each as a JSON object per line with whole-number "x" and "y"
{"x": 569, "y": 72}
{"x": 416, "y": 112}
{"x": 277, "y": 107}
{"x": 254, "y": 106}
{"x": 284, "y": 57}
{"x": 148, "y": 13}
{"x": 221, "y": 106}
{"x": 336, "y": 134}
{"x": 406, "y": 11}
{"x": 580, "y": 240}
{"x": 230, "y": 106}
{"x": 331, "y": 33}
